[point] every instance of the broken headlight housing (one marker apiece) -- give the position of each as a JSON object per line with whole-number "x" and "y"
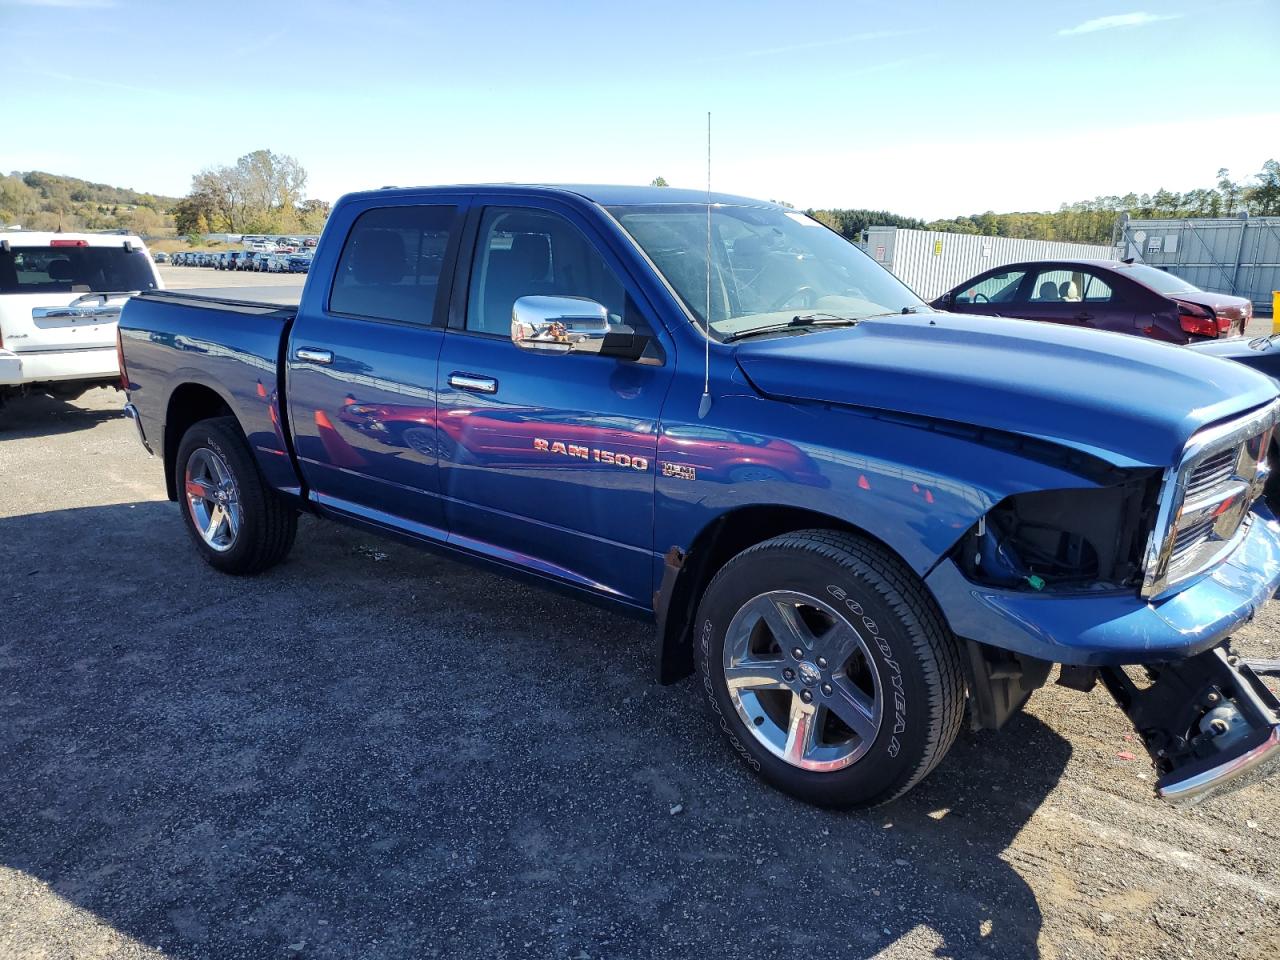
{"x": 1085, "y": 538}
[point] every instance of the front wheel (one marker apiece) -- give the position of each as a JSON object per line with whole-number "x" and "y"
{"x": 828, "y": 668}
{"x": 238, "y": 523}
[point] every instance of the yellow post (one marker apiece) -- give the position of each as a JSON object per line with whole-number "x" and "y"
{"x": 1275, "y": 311}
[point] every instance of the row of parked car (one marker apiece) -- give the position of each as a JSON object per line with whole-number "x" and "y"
{"x": 258, "y": 261}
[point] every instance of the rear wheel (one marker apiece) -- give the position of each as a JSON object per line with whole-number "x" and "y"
{"x": 828, "y": 668}
{"x": 238, "y": 523}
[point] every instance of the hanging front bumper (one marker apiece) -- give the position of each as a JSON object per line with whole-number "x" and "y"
{"x": 1208, "y": 722}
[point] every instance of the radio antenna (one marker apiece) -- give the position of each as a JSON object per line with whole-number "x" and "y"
{"x": 704, "y": 406}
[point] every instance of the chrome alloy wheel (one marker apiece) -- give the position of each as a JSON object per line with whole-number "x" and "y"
{"x": 213, "y": 499}
{"x": 803, "y": 680}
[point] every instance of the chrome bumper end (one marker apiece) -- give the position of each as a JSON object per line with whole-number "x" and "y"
{"x": 131, "y": 412}
{"x": 1255, "y": 763}
{"x": 1209, "y": 723}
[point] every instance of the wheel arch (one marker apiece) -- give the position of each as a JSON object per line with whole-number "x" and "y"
{"x": 686, "y": 572}
{"x": 189, "y": 403}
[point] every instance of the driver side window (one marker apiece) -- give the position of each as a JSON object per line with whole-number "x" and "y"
{"x": 522, "y": 252}
{"x": 996, "y": 288}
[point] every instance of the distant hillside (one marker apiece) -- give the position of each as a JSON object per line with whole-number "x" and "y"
{"x": 47, "y": 201}
{"x": 82, "y": 191}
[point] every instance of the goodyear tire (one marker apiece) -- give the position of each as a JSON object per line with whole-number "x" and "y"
{"x": 238, "y": 524}
{"x": 828, "y": 668}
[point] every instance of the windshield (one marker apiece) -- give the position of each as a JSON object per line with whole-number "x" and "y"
{"x": 768, "y": 266}
{"x": 74, "y": 270}
{"x": 1158, "y": 280}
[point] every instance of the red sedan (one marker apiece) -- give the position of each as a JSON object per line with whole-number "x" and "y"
{"x": 1111, "y": 295}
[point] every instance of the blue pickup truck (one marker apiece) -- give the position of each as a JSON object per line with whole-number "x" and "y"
{"x": 856, "y": 520}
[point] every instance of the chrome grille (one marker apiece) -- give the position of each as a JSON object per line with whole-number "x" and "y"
{"x": 1214, "y": 470}
{"x": 1187, "y": 539}
{"x": 1206, "y": 499}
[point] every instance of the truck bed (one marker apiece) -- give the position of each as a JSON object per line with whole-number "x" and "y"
{"x": 259, "y": 300}
{"x": 275, "y": 295}
{"x": 226, "y": 349}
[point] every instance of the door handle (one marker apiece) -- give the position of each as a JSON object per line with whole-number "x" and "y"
{"x": 312, "y": 355}
{"x": 468, "y": 381}
{"x": 1084, "y": 316}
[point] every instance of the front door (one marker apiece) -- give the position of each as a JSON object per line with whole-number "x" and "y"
{"x": 362, "y": 367}
{"x": 992, "y": 294}
{"x": 547, "y": 461}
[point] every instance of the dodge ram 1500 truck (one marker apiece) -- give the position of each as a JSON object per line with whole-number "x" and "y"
{"x": 854, "y": 518}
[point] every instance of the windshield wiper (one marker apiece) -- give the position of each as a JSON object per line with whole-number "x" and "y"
{"x": 911, "y": 308}
{"x": 800, "y": 320}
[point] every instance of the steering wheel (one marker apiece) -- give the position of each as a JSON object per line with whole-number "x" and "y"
{"x": 806, "y": 292}
{"x": 985, "y": 298}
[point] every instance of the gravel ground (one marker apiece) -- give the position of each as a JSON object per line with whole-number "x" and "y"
{"x": 372, "y": 752}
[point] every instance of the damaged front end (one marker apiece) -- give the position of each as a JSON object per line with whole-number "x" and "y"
{"x": 1064, "y": 541}
{"x": 1147, "y": 567}
{"x": 1208, "y": 722}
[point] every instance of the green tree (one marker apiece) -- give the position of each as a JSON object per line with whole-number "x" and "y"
{"x": 851, "y": 223}
{"x": 659, "y": 182}
{"x": 1263, "y": 198}
{"x": 260, "y": 193}
{"x": 145, "y": 222}
{"x": 313, "y": 214}
{"x": 194, "y": 213}
{"x": 1230, "y": 192}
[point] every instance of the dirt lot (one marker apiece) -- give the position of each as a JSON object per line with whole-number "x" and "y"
{"x": 371, "y": 752}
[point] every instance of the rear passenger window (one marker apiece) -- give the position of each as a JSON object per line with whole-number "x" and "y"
{"x": 391, "y": 264}
{"x": 1068, "y": 286}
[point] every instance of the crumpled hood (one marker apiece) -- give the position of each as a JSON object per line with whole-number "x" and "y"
{"x": 1127, "y": 399}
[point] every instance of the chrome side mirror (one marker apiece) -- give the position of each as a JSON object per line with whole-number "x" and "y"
{"x": 559, "y": 324}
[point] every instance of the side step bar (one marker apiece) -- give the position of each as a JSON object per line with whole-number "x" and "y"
{"x": 1208, "y": 722}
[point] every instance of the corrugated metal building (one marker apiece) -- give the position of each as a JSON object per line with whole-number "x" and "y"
{"x": 931, "y": 263}
{"x": 1226, "y": 254}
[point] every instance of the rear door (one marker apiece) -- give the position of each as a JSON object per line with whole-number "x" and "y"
{"x": 65, "y": 294}
{"x": 362, "y": 360}
{"x": 1076, "y": 296}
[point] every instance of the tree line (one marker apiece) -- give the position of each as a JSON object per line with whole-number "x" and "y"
{"x": 262, "y": 192}
{"x": 1092, "y": 221}
{"x": 265, "y": 192}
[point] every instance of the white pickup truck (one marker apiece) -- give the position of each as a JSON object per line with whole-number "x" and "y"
{"x": 60, "y": 298}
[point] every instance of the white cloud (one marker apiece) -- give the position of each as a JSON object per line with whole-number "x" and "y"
{"x": 1116, "y": 21}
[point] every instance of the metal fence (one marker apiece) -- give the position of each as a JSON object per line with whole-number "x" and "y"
{"x": 1226, "y": 255}
{"x": 931, "y": 263}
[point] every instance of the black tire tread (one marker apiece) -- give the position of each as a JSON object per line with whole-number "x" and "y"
{"x": 933, "y": 643}
{"x": 273, "y": 536}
